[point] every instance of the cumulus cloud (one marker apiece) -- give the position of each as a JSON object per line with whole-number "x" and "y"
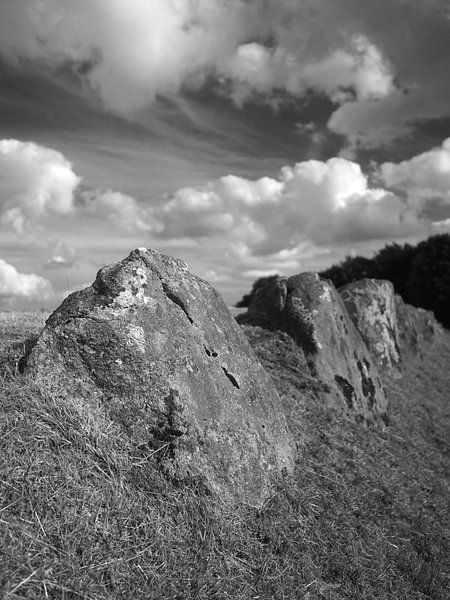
{"x": 38, "y": 182}
{"x": 424, "y": 177}
{"x": 35, "y": 181}
{"x": 120, "y": 209}
{"x": 311, "y": 206}
{"x": 382, "y": 61}
{"x": 234, "y": 227}
{"x": 358, "y": 70}
{"x": 22, "y": 286}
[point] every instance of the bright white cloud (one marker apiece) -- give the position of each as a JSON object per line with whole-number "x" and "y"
{"x": 35, "y": 181}
{"x": 423, "y": 177}
{"x": 312, "y": 204}
{"x": 22, "y": 286}
{"x": 229, "y": 229}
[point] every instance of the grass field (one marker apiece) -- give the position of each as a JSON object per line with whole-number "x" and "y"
{"x": 84, "y": 515}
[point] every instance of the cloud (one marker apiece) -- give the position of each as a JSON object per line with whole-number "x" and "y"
{"x": 63, "y": 257}
{"x": 358, "y": 70}
{"x": 228, "y": 229}
{"x": 120, "y": 209}
{"x": 128, "y": 51}
{"x": 22, "y": 286}
{"x": 424, "y": 177}
{"x": 312, "y": 206}
{"x": 35, "y": 182}
{"x": 384, "y": 62}
{"x": 38, "y": 183}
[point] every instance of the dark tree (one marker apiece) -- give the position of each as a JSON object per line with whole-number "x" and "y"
{"x": 244, "y": 302}
{"x": 393, "y": 262}
{"x": 350, "y": 269}
{"x": 429, "y": 277}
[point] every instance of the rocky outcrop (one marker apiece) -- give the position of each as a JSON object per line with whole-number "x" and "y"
{"x": 371, "y": 305}
{"x": 156, "y": 350}
{"x": 313, "y": 313}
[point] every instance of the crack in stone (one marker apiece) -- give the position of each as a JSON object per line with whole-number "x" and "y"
{"x": 231, "y": 378}
{"x": 176, "y": 300}
{"x": 211, "y": 353}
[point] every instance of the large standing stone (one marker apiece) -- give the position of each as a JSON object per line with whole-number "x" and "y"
{"x": 372, "y": 307}
{"x": 156, "y": 348}
{"x": 314, "y": 314}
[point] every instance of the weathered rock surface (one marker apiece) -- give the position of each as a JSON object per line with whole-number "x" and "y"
{"x": 417, "y": 328}
{"x": 372, "y": 307}
{"x": 313, "y": 313}
{"x": 157, "y": 350}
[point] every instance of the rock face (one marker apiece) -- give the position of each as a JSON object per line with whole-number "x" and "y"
{"x": 313, "y": 313}
{"x": 392, "y": 330}
{"x": 417, "y": 327}
{"x": 155, "y": 348}
{"x": 372, "y": 307}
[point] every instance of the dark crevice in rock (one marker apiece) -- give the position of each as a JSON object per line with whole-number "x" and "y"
{"x": 169, "y": 429}
{"x": 211, "y": 353}
{"x": 177, "y": 300}
{"x": 231, "y": 378}
{"x": 347, "y": 389}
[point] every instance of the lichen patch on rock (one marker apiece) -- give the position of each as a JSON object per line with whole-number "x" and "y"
{"x": 371, "y": 306}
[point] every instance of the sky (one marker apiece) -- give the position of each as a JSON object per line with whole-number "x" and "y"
{"x": 246, "y": 137}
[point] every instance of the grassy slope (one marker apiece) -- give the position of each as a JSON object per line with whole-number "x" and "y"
{"x": 85, "y": 515}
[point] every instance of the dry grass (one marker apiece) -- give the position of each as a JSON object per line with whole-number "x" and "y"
{"x": 85, "y": 515}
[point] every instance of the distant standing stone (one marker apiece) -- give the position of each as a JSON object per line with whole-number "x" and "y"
{"x": 372, "y": 307}
{"x": 313, "y": 313}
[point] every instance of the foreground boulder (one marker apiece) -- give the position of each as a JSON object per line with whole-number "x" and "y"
{"x": 313, "y": 313}
{"x": 371, "y": 305}
{"x": 156, "y": 350}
